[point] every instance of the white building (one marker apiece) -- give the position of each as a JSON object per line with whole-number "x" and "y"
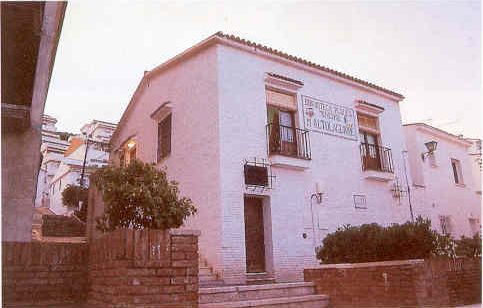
{"x": 446, "y": 184}
{"x": 54, "y": 144}
{"x": 275, "y": 152}
{"x": 66, "y": 168}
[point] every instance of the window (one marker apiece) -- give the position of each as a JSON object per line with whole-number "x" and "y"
{"x": 445, "y": 223}
{"x": 281, "y": 109}
{"x": 256, "y": 175}
{"x": 374, "y": 156}
{"x": 164, "y": 137}
{"x": 128, "y": 152}
{"x": 456, "y": 167}
{"x": 360, "y": 201}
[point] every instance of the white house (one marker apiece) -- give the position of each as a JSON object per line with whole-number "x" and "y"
{"x": 446, "y": 182}
{"x": 54, "y": 144}
{"x": 274, "y": 150}
{"x": 60, "y": 169}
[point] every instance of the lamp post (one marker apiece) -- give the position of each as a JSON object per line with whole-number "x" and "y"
{"x": 81, "y": 182}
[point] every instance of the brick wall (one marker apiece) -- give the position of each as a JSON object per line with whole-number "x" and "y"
{"x": 48, "y": 273}
{"x": 399, "y": 283}
{"x": 144, "y": 268}
{"x": 58, "y": 225}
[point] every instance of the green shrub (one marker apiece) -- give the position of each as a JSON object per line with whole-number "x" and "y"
{"x": 72, "y": 195}
{"x": 469, "y": 247}
{"x": 139, "y": 196}
{"x": 372, "y": 242}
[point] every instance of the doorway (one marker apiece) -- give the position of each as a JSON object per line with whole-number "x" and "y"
{"x": 254, "y": 235}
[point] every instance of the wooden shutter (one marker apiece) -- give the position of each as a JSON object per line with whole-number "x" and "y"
{"x": 164, "y": 137}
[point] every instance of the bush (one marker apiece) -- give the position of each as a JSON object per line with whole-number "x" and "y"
{"x": 139, "y": 196}
{"x": 469, "y": 247}
{"x": 372, "y": 242}
{"x": 72, "y": 195}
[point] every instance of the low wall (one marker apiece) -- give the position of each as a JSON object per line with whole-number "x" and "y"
{"x": 410, "y": 283}
{"x": 43, "y": 273}
{"x": 144, "y": 268}
{"x": 62, "y": 226}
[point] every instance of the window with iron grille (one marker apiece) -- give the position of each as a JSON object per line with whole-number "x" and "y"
{"x": 164, "y": 137}
{"x": 256, "y": 175}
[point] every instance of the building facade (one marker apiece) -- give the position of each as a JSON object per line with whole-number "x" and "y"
{"x": 30, "y": 35}
{"x": 275, "y": 152}
{"x": 446, "y": 182}
{"x": 63, "y": 161}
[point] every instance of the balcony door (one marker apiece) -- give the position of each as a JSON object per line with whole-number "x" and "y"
{"x": 370, "y": 150}
{"x": 282, "y": 131}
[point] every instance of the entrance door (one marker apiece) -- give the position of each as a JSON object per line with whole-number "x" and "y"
{"x": 254, "y": 235}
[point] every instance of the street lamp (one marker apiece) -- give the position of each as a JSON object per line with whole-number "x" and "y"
{"x": 431, "y": 146}
{"x": 81, "y": 182}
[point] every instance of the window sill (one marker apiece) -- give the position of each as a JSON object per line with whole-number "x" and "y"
{"x": 289, "y": 162}
{"x": 378, "y": 175}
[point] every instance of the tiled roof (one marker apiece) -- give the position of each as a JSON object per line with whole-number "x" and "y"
{"x": 305, "y": 62}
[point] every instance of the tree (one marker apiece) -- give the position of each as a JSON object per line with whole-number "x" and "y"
{"x": 139, "y": 196}
{"x": 72, "y": 195}
{"x": 469, "y": 247}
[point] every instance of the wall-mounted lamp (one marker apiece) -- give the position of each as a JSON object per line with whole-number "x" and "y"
{"x": 431, "y": 146}
{"x": 131, "y": 144}
{"x": 318, "y": 194}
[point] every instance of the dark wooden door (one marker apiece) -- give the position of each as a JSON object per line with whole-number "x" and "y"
{"x": 254, "y": 235}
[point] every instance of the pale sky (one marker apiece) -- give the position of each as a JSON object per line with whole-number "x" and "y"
{"x": 428, "y": 51}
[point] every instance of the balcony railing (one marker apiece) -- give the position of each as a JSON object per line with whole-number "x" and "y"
{"x": 375, "y": 157}
{"x": 288, "y": 141}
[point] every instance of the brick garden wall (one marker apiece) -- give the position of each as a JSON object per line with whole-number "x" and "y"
{"x": 144, "y": 268}
{"x": 48, "y": 273}
{"x": 57, "y": 225}
{"x": 408, "y": 283}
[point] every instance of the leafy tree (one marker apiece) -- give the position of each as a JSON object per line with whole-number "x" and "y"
{"x": 72, "y": 195}
{"x": 139, "y": 196}
{"x": 372, "y": 242}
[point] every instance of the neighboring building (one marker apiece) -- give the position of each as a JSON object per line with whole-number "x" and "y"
{"x": 54, "y": 145}
{"x": 475, "y": 153}
{"x": 70, "y": 166}
{"x": 30, "y": 35}
{"x": 446, "y": 184}
{"x": 275, "y": 152}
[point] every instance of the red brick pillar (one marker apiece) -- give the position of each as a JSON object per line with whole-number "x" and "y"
{"x": 144, "y": 268}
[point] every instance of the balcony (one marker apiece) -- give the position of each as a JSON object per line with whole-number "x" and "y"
{"x": 376, "y": 162}
{"x": 288, "y": 146}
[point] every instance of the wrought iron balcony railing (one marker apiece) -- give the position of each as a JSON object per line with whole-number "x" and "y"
{"x": 375, "y": 157}
{"x": 288, "y": 141}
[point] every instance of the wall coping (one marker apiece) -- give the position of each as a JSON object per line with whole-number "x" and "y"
{"x": 368, "y": 264}
{"x": 184, "y": 232}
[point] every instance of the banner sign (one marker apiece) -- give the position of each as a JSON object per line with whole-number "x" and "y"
{"x": 327, "y": 118}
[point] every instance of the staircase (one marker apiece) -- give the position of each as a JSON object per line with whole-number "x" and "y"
{"x": 206, "y": 276}
{"x": 279, "y": 295}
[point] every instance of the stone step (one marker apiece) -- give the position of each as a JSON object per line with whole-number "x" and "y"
{"x": 204, "y": 271}
{"x": 305, "y": 301}
{"x": 254, "y": 292}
